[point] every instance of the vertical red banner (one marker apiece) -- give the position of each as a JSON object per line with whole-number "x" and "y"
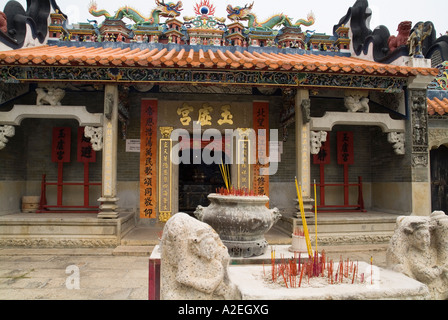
{"x": 346, "y": 153}
{"x": 85, "y": 151}
{"x": 261, "y": 122}
{"x": 61, "y": 144}
{"x": 148, "y": 159}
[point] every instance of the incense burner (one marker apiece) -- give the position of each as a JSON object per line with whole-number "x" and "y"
{"x": 240, "y": 221}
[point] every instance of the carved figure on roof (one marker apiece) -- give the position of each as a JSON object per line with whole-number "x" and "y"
{"x": 245, "y": 13}
{"x": 3, "y": 22}
{"x": 308, "y": 22}
{"x": 420, "y": 32}
{"x": 404, "y": 31}
{"x": 168, "y": 10}
{"x": 18, "y": 21}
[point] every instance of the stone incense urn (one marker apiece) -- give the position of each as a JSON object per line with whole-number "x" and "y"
{"x": 240, "y": 221}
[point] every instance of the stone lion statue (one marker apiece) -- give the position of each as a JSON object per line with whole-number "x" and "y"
{"x": 404, "y": 31}
{"x": 194, "y": 262}
{"x": 52, "y": 96}
{"x": 419, "y": 250}
{"x": 357, "y": 103}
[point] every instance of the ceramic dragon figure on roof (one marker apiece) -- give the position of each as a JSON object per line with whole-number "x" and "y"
{"x": 245, "y": 13}
{"x": 169, "y": 10}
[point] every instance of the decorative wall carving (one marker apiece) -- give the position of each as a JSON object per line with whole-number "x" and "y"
{"x": 6, "y": 132}
{"x": 11, "y": 91}
{"x": 419, "y": 120}
{"x": 96, "y": 137}
{"x": 437, "y": 137}
{"x": 16, "y": 74}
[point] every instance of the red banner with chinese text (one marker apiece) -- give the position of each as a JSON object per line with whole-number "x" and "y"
{"x": 148, "y": 159}
{"x": 261, "y": 121}
{"x": 324, "y": 155}
{"x": 85, "y": 151}
{"x": 346, "y": 153}
{"x": 60, "y": 151}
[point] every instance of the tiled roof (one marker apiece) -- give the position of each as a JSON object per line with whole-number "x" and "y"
{"x": 218, "y": 58}
{"x": 438, "y": 106}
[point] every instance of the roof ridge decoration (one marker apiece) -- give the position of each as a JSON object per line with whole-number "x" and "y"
{"x": 18, "y": 21}
{"x": 378, "y": 45}
{"x": 168, "y": 10}
{"x": 245, "y": 13}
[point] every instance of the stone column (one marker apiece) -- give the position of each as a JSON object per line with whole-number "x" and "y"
{"x": 417, "y": 128}
{"x": 108, "y": 200}
{"x": 417, "y": 135}
{"x": 303, "y": 166}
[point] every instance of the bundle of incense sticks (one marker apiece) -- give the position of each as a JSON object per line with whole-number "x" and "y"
{"x": 299, "y": 232}
{"x": 242, "y": 192}
{"x": 225, "y": 172}
{"x": 292, "y": 272}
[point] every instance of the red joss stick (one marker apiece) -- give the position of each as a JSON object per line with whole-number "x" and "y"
{"x": 301, "y": 275}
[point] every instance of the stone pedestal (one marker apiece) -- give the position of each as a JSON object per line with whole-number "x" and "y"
{"x": 108, "y": 208}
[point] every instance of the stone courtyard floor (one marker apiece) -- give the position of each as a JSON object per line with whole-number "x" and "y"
{"x": 104, "y": 274}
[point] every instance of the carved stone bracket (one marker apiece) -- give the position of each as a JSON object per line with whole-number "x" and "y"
{"x": 6, "y": 131}
{"x": 306, "y": 110}
{"x": 96, "y": 137}
{"x": 317, "y": 138}
{"x": 398, "y": 140}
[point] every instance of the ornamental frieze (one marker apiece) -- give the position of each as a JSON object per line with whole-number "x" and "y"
{"x": 13, "y": 74}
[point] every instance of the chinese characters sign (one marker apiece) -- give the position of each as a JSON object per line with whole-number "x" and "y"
{"x": 85, "y": 151}
{"x": 243, "y": 161}
{"x": 204, "y": 115}
{"x": 61, "y": 145}
{"x": 345, "y": 148}
{"x": 165, "y": 174}
{"x": 261, "y": 127}
{"x": 148, "y": 159}
{"x": 324, "y": 155}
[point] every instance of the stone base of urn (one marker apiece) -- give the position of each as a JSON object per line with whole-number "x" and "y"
{"x": 240, "y": 221}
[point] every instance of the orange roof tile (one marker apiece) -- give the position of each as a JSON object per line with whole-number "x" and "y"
{"x": 437, "y": 106}
{"x": 221, "y": 58}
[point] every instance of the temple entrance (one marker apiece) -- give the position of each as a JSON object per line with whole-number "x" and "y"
{"x": 196, "y": 182}
{"x": 439, "y": 179}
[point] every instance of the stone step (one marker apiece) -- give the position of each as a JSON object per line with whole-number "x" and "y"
{"x": 346, "y": 228}
{"x": 133, "y": 250}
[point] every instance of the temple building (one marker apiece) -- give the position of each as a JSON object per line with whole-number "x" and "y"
{"x": 105, "y": 126}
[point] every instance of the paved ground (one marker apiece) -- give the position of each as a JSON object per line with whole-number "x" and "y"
{"x": 104, "y": 274}
{"x": 30, "y": 274}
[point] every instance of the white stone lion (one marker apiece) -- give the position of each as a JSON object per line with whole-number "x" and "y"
{"x": 52, "y": 96}
{"x": 194, "y": 262}
{"x": 419, "y": 249}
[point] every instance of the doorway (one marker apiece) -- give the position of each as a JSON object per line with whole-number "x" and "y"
{"x": 196, "y": 182}
{"x": 439, "y": 179}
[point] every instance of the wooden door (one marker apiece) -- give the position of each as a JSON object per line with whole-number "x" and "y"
{"x": 439, "y": 179}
